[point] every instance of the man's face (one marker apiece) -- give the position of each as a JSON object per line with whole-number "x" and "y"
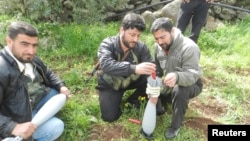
{"x": 23, "y": 47}
{"x": 130, "y": 37}
{"x": 163, "y": 38}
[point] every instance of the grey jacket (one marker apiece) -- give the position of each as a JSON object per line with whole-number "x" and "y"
{"x": 14, "y": 99}
{"x": 183, "y": 59}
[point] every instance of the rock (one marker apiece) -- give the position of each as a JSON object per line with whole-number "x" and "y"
{"x": 212, "y": 23}
{"x": 149, "y": 18}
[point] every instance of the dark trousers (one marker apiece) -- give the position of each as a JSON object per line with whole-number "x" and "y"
{"x": 180, "y": 98}
{"x": 110, "y": 99}
{"x": 197, "y": 10}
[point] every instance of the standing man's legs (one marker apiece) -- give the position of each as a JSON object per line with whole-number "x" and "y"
{"x": 52, "y": 128}
{"x": 185, "y": 15}
{"x": 199, "y": 19}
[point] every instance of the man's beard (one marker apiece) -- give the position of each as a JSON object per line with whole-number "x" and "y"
{"x": 19, "y": 57}
{"x": 126, "y": 43}
{"x": 24, "y": 61}
{"x": 167, "y": 46}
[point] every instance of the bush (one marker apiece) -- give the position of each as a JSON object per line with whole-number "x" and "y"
{"x": 63, "y": 11}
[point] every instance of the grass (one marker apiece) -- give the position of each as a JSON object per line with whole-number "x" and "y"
{"x": 70, "y": 50}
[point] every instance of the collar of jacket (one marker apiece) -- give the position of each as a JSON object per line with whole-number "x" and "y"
{"x": 9, "y": 58}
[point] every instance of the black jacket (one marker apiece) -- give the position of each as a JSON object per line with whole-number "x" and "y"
{"x": 14, "y": 99}
{"x": 108, "y": 52}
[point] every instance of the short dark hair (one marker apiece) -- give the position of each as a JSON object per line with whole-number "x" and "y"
{"x": 162, "y": 23}
{"x": 21, "y": 27}
{"x": 132, "y": 20}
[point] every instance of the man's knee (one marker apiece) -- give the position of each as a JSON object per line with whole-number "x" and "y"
{"x": 59, "y": 126}
{"x": 199, "y": 83}
{"x": 110, "y": 118}
{"x": 50, "y": 130}
{"x": 181, "y": 93}
{"x": 110, "y": 115}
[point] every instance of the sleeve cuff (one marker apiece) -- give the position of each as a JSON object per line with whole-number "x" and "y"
{"x": 132, "y": 68}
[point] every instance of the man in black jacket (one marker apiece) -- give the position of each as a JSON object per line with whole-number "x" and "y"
{"x": 125, "y": 63}
{"x": 26, "y": 83}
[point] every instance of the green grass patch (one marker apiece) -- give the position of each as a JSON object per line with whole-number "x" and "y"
{"x": 71, "y": 51}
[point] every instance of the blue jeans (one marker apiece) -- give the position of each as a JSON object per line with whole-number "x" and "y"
{"x": 52, "y": 128}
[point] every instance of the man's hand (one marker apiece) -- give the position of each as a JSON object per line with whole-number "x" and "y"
{"x": 170, "y": 79}
{"x": 209, "y": 1}
{"x": 25, "y": 130}
{"x": 186, "y": 1}
{"x": 66, "y": 91}
{"x": 153, "y": 100}
{"x": 153, "y": 93}
{"x": 145, "y": 68}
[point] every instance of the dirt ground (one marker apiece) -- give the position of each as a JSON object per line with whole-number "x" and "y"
{"x": 116, "y": 132}
{"x": 209, "y": 111}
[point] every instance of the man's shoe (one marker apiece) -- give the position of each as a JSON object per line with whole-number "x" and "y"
{"x": 172, "y": 132}
{"x": 147, "y": 137}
